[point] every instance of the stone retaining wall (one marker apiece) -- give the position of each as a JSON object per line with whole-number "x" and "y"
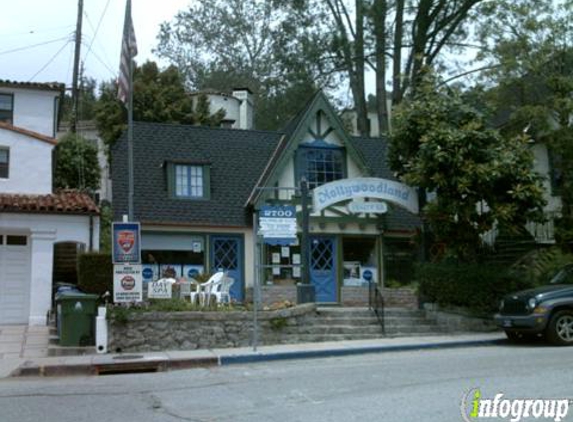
{"x": 457, "y": 320}
{"x": 154, "y": 331}
{"x": 393, "y": 298}
{"x": 400, "y": 298}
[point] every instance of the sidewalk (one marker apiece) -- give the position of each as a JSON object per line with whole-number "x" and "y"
{"x": 171, "y": 360}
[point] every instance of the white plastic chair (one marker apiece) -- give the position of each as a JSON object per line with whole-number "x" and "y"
{"x": 186, "y": 290}
{"x": 210, "y": 287}
{"x": 223, "y": 290}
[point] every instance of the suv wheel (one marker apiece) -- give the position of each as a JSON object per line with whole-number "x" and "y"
{"x": 560, "y": 328}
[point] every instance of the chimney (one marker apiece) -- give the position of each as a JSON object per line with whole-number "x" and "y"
{"x": 246, "y": 108}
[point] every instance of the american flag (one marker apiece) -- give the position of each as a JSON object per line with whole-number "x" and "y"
{"x": 128, "y": 52}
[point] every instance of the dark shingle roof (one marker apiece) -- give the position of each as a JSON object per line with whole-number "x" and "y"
{"x": 236, "y": 157}
{"x": 375, "y": 152}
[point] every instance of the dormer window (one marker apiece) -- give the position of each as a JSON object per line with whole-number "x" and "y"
{"x": 6, "y": 108}
{"x": 188, "y": 181}
{"x": 4, "y": 163}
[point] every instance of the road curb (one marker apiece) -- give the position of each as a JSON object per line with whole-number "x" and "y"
{"x": 313, "y": 354}
{"x": 165, "y": 363}
{"x": 160, "y": 365}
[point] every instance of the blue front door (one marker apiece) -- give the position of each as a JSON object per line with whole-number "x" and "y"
{"x": 323, "y": 268}
{"x": 227, "y": 255}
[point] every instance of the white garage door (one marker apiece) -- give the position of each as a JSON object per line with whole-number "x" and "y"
{"x": 14, "y": 279}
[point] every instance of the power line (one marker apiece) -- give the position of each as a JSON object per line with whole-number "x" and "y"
{"x": 34, "y": 45}
{"x": 97, "y": 28}
{"x": 34, "y": 31}
{"x": 108, "y": 67}
{"x": 50, "y": 61}
{"x": 95, "y": 39}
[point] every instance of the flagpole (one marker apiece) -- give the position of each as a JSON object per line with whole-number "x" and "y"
{"x": 130, "y": 143}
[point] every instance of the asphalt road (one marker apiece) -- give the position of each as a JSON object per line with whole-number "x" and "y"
{"x": 403, "y": 386}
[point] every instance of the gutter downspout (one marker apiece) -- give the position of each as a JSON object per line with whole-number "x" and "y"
{"x": 91, "y": 246}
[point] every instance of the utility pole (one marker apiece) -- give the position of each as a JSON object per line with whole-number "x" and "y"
{"x": 75, "y": 87}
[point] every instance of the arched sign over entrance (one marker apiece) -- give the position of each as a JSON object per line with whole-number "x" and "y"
{"x": 365, "y": 187}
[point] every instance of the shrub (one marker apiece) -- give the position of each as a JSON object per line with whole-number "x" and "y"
{"x": 541, "y": 265}
{"x": 95, "y": 273}
{"x": 477, "y": 287}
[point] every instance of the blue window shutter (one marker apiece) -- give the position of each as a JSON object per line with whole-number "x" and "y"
{"x": 207, "y": 182}
{"x": 170, "y": 170}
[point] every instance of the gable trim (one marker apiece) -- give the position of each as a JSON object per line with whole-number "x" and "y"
{"x": 30, "y": 133}
{"x": 318, "y": 105}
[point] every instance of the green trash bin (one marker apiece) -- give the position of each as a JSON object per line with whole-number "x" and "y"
{"x": 76, "y": 314}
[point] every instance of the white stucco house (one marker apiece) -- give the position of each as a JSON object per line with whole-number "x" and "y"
{"x": 34, "y": 218}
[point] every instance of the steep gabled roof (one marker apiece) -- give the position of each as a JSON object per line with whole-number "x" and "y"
{"x": 236, "y": 157}
{"x": 294, "y": 131}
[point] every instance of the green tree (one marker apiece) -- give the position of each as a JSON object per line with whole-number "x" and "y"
{"x": 86, "y": 102}
{"x": 158, "y": 96}
{"x": 274, "y": 48}
{"x": 77, "y": 165}
{"x": 530, "y": 64}
{"x": 397, "y": 40}
{"x": 479, "y": 178}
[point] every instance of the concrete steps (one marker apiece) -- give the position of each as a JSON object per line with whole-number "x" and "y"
{"x": 54, "y": 348}
{"x": 337, "y": 324}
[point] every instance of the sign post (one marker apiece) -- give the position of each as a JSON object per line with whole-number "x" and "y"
{"x": 127, "y": 269}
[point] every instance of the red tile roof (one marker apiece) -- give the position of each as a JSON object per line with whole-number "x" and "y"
{"x": 64, "y": 202}
{"x": 31, "y": 133}
{"x": 49, "y": 86}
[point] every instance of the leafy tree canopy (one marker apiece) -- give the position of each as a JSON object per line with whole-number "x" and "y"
{"x": 274, "y": 48}
{"x": 479, "y": 178}
{"x": 531, "y": 68}
{"x": 158, "y": 96}
{"x": 77, "y": 165}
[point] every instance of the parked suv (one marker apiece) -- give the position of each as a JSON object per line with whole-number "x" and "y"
{"x": 544, "y": 310}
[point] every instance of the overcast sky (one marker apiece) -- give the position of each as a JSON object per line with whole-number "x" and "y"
{"x": 25, "y": 23}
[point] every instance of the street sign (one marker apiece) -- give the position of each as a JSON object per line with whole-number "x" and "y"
{"x": 126, "y": 244}
{"x": 277, "y": 224}
{"x": 127, "y": 283}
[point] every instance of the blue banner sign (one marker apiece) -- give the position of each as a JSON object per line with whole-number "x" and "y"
{"x": 126, "y": 243}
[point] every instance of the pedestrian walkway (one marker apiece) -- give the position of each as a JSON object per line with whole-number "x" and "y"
{"x": 23, "y": 341}
{"x": 17, "y": 364}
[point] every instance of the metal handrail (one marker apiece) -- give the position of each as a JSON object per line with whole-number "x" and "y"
{"x": 376, "y": 303}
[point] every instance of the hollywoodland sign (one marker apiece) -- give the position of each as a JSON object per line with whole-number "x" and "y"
{"x": 365, "y": 187}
